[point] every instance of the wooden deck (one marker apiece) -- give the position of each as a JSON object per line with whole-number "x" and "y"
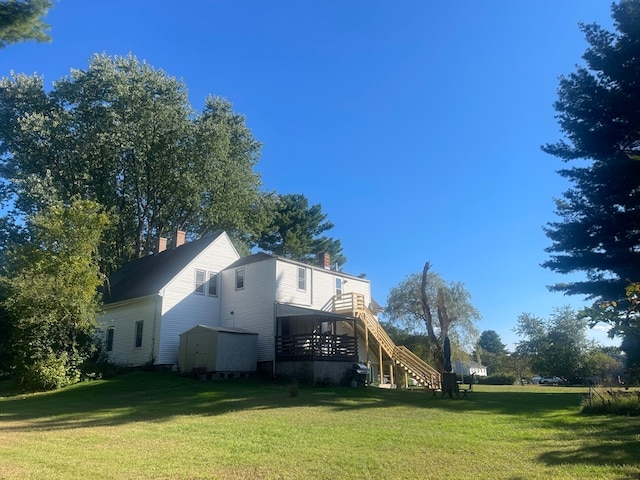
{"x": 317, "y": 347}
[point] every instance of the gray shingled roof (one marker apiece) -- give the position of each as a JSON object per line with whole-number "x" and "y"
{"x": 148, "y": 275}
{"x": 256, "y": 257}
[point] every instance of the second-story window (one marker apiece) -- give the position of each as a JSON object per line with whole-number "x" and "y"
{"x": 338, "y": 286}
{"x": 302, "y": 279}
{"x": 213, "y": 284}
{"x": 239, "y": 278}
{"x": 200, "y": 281}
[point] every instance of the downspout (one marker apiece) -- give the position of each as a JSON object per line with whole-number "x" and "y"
{"x": 273, "y": 337}
{"x": 156, "y": 314}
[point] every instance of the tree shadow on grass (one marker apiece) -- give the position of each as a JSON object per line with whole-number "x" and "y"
{"x": 157, "y": 397}
{"x": 598, "y": 440}
{"x": 145, "y": 396}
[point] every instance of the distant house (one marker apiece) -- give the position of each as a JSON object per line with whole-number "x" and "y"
{"x": 305, "y": 321}
{"x": 470, "y": 368}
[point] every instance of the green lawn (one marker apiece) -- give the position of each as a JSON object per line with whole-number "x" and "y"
{"x": 160, "y": 426}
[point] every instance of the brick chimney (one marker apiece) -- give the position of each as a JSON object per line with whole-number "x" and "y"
{"x": 180, "y": 237}
{"x": 162, "y": 244}
{"x": 324, "y": 260}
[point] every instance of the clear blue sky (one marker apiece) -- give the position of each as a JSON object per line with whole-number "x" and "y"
{"x": 417, "y": 125}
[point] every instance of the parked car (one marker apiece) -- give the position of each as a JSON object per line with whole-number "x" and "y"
{"x": 550, "y": 381}
{"x": 535, "y": 380}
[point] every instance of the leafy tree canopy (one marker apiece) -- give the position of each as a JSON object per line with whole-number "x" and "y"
{"x": 123, "y": 134}
{"x": 556, "y": 346}
{"x": 21, "y": 20}
{"x": 51, "y": 282}
{"x": 425, "y": 302}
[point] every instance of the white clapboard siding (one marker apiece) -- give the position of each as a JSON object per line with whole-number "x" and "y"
{"x": 122, "y": 318}
{"x": 320, "y": 288}
{"x": 183, "y": 308}
{"x": 287, "y": 291}
{"x": 252, "y": 306}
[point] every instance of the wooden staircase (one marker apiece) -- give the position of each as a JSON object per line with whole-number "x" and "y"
{"x": 353, "y": 304}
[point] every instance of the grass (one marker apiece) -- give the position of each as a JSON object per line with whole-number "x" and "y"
{"x": 160, "y": 426}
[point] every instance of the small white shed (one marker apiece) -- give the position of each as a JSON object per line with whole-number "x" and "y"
{"x": 218, "y": 349}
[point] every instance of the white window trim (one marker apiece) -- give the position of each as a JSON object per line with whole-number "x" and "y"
{"x": 302, "y": 270}
{"x": 135, "y": 333}
{"x": 197, "y": 284}
{"x": 240, "y": 271}
{"x": 213, "y": 280}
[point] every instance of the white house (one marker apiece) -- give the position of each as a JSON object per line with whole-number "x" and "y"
{"x": 311, "y": 322}
{"x": 470, "y": 368}
{"x": 152, "y": 300}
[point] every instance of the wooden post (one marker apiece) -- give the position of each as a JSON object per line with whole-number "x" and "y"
{"x": 381, "y": 365}
{"x": 391, "y": 379}
{"x": 366, "y": 340}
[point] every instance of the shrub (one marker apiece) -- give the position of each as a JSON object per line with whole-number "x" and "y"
{"x": 50, "y": 372}
{"x": 497, "y": 380}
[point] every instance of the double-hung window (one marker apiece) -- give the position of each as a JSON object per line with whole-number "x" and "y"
{"x": 212, "y": 290}
{"x": 139, "y": 326}
{"x": 302, "y": 279}
{"x": 201, "y": 278}
{"x": 110, "y": 332}
{"x": 239, "y": 278}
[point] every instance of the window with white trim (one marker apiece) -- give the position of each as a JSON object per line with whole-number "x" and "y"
{"x": 212, "y": 290}
{"x": 201, "y": 277}
{"x": 139, "y": 326}
{"x": 302, "y": 279}
{"x": 338, "y": 286}
{"x": 239, "y": 278}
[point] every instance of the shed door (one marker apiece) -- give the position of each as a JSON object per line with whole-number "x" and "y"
{"x": 198, "y": 351}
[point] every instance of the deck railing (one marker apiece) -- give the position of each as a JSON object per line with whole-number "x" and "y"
{"x": 313, "y": 346}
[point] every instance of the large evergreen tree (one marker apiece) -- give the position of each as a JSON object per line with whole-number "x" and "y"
{"x": 295, "y": 230}
{"x": 598, "y": 107}
{"x": 491, "y": 352}
{"x": 21, "y": 20}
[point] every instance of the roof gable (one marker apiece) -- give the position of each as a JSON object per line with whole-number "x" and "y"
{"x": 148, "y": 275}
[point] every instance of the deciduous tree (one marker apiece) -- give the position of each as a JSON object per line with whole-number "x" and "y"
{"x": 123, "y": 134}
{"x": 51, "y": 281}
{"x": 556, "y": 346}
{"x": 426, "y": 302}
